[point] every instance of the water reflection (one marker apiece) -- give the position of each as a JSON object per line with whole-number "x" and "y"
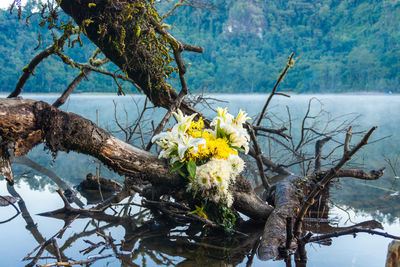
{"x": 139, "y": 239}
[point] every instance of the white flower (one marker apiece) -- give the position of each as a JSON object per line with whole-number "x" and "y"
{"x": 241, "y": 118}
{"x": 232, "y": 128}
{"x": 213, "y": 179}
{"x": 183, "y": 121}
{"x": 229, "y": 200}
{"x": 186, "y": 142}
{"x": 181, "y": 118}
{"x": 237, "y": 165}
{"x": 176, "y": 142}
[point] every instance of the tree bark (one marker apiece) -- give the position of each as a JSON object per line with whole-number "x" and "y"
{"x": 287, "y": 201}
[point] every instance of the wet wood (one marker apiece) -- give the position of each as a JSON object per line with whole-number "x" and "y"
{"x": 287, "y": 202}
{"x": 393, "y": 256}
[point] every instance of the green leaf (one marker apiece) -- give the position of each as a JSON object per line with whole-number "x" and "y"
{"x": 182, "y": 174}
{"x": 219, "y": 132}
{"x": 177, "y": 165}
{"x": 191, "y": 168}
{"x": 238, "y": 148}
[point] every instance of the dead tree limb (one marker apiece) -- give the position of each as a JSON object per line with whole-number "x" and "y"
{"x": 351, "y": 231}
{"x": 353, "y": 173}
{"x": 318, "y": 152}
{"x": 289, "y": 64}
{"x": 258, "y": 158}
{"x": 326, "y": 179}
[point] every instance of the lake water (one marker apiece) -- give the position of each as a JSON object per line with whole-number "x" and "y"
{"x": 351, "y": 201}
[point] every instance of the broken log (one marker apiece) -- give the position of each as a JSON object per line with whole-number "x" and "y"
{"x": 287, "y": 202}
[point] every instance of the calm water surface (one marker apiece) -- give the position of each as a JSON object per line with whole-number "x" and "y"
{"x": 351, "y": 201}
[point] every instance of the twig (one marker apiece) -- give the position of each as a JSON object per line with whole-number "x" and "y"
{"x": 258, "y": 158}
{"x": 82, "y": 66}
{"x": 279, "y": 132}
{"x": 303, "y": 124}
{"x": 58, "y": 254}
{"x": 271, "y": 165}
{"x": 289, "y": 64}
{"x": 351, "y": 231}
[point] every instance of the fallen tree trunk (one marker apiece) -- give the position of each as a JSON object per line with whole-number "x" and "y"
{"x": 26, "y": 123}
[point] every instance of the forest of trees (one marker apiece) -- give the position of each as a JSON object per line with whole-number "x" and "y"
{"x": 351, "y": 45}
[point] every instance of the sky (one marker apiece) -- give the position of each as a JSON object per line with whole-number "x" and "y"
{"x": 4, "y": 4}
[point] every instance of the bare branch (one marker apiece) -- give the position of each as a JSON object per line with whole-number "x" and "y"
{"x": 318, "y": 152}
{"x": 351, "y": 231}
{"x": 258, "y": 158}
{"x": 279, "y": 132}
{"x": 289, "y": 64}
{"x": 82, "y": 66}
{"x": 354, "y": 173}
{"x": 71, "y": 87}
{"x": 326, "y": 179}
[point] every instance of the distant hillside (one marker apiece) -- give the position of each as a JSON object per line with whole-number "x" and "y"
{"x": 351, "y": 45}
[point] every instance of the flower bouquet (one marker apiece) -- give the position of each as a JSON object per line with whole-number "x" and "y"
{"x": 208, "y": 158}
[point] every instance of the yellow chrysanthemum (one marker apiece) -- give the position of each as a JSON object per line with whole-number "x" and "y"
{"x": 214, "y": 147}
{"x": 195, "y": 128}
